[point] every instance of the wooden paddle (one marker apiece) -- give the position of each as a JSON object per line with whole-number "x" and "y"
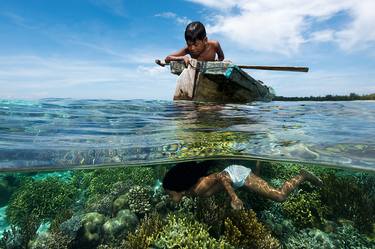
{"x": 275, "y": 68}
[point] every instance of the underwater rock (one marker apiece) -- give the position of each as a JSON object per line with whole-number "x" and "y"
{"x": 123, "y": 223}
{"x": 92, "y": 226}
{"x": 71, "y": 226}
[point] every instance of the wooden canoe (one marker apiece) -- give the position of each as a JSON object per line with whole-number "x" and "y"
{"x": 217, "y": 81}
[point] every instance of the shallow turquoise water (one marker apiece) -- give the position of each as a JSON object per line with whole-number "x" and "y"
{"x": 66, "y": 133}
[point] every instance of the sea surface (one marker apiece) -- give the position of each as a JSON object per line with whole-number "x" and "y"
{"x": 67, "y": 133}
{"x": 88, "y": 174}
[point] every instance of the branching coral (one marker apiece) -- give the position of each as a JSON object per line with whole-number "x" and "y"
{"x": 184, "y": 233}
{"x": 305, "y": 209}
{"x": 211, "y": 214}
{"x": 145, "y": 234}
{"x": 40, "y": 200}
{"x": 243, "y": 230}
{"x": 138, "y": 199}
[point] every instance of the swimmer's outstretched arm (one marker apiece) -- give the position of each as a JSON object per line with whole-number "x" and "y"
{"x": 225, "y": 180}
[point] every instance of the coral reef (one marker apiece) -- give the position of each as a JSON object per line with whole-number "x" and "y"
{"x": 92, "y": 228}
{"x": 185, "y": 233}
{"x": 102, "y": 186}
{"x": 8, "y": 185}
{"x": 210, "y": 144}
{"x": 274, "y": 219}
{"x": 211, "y": 214}
{"x": 37, "y": 201}
{"x": 350, "y": 198}
{"x": 145, "y": 234}
{"x": 243, "y": 230}
{"x": 121, "y": 225}
{"x": 12, "y": 239}
{"x": 50, "y": 241}
{"x": 305, "y": 209}
{"x": 138, "y": 199}
{"x": 345, "y": 237}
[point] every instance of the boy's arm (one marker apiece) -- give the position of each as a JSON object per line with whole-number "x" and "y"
{"x": 177, "y": 56}
{"x": 225, "y": 180}
{"x": 219, "y": 51}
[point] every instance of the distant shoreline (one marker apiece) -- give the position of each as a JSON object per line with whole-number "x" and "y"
{"x": 329, "y": 97}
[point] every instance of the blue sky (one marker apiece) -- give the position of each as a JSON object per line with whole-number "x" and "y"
{"x": 106, "y": 48}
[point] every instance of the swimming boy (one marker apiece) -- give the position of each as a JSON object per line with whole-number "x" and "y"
{"x": 191, "y": 179}
{"x": 197, "y": 47}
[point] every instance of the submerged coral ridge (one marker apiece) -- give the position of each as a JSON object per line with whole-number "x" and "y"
{"x": 118, "y": 208}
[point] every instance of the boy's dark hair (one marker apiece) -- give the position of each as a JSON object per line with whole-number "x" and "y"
{"x": 195, "y": 31}
{"x": 185, "y": 175}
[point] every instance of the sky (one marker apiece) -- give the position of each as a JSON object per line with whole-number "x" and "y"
{"x": 90, "y": 49}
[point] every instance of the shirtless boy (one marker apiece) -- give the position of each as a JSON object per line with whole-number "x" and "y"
{"x": 191, "y": 179}
{"x": 197, "y": 47}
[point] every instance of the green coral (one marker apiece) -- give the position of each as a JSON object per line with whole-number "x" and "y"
{"x": 145, "y": 234}
{"x": 100, "y": 181}
{"x": 305, "y": 209}
{"x": 138, "y": 199}
{"x": 38, "y": 201}
{"x": 243, "y": 230}
{"x": 110, "y": 183}
{"x": 185, "y": 233}
{"x": 210, "y": 144}
{"x": 350, "y": 198}
{"x": 212, "y": 214}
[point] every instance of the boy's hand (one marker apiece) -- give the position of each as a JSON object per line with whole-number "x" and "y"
{"x": 237, "y": 204}
{"x": 160, "y": 63}
{"x": 186, "y": 60}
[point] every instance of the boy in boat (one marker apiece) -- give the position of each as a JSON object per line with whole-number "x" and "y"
{"x": 197, "y": 47}
{"x": 191, "y": 179}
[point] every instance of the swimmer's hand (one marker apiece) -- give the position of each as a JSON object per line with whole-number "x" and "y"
{"x": 237, "y": 204}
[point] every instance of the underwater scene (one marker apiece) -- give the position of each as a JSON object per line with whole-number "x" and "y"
{"x": 102, "y": 174}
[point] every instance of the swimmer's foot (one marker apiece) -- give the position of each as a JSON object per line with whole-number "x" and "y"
{"x": 312, "y": 178}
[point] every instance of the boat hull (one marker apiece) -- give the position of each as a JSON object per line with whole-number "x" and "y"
{"x": 217, "y": 82}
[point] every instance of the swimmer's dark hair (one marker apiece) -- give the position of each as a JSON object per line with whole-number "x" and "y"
{"x": 185, "y": 175}
{"x": 195, "y": 31}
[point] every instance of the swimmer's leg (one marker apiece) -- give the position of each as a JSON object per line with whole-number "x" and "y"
{"x": 260, "y": 186}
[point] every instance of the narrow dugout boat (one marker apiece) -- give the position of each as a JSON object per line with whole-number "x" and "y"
{"x": 217, "y": 81}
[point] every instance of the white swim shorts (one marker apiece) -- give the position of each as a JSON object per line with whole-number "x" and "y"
{"x": 238, "y": 174}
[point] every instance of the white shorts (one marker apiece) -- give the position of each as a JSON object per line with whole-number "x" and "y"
{"x": 238, "y": 174}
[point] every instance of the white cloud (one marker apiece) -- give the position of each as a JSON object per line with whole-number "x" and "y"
{"x": 283, "y": 26}
{"x": 170, "y": 15}
{"x": 38, "y": 77}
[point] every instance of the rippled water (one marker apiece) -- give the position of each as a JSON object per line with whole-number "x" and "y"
{"x": 65, "y": 133}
